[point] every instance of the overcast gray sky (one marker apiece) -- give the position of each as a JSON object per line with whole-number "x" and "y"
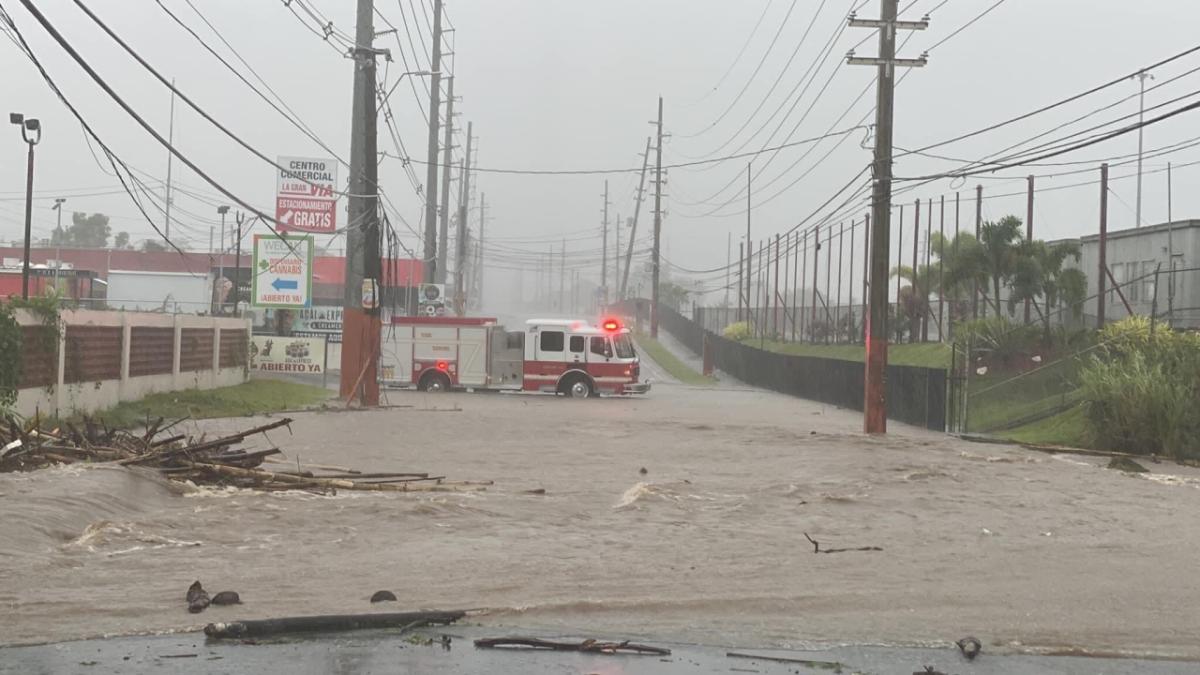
{"x": 572, "y": 85}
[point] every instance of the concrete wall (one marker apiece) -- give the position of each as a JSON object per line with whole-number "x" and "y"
{"x": 95, "y": 350}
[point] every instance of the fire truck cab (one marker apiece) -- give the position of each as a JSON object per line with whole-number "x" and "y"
{"x": 574, "y": 358}
{"x": 558, "y": 356}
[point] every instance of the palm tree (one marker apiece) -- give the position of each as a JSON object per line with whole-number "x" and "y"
{"x": 999, "y": 242}
{"x": 1038, "y": 272}
{"x": 914, "y": 298}
{"x": 962, "y": 261}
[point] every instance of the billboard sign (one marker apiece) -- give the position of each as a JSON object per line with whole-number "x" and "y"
{"x": 275, "y": 354}
{"x": 282, "y": 271}
{"x": 305, "y": 194}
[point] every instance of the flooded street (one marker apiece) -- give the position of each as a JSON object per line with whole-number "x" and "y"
{"x": 1021, "y": 549}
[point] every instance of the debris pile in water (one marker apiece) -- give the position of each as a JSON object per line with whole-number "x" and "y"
{"x": 217, "y": 461}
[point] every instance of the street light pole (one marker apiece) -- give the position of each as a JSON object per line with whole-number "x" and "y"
{"x": 1142, "y": 76}
{"x": 27, "y": 126}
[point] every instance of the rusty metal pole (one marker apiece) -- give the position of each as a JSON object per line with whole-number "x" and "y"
{"x": 1100, "y": 299}
{"x": 1028, "y": 231}
{"x": 812, "y": 321}
{"x": 914, "y": 323}
{"x": 978, "y": 225}
{"x": 837, "y": 309}
{"x": 828, "y": 270}
{"x": 942, "y": 273}
{"x": 775, "y": 297}
{"x": 850, "y": 285}
{"x": 804, "y": 276}
{"x": 928, "y": 272}
{"x": 741, "y": 276}
{"x": 899, "y": 254}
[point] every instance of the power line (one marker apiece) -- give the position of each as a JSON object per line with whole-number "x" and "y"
{"x": 753, "y": 75}
{"x": 593, "y": 172}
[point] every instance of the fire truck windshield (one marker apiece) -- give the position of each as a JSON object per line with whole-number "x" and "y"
{"x": 623, "y": 346}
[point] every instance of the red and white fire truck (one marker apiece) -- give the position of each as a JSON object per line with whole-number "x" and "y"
{"x": 557, "y": 356}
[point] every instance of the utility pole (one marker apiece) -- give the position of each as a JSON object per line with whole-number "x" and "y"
{"x": 604, "y": 250}
{"x": 1100, "y": 299}
{"x": 170, "y": 160}
{"x": 658, "y": 184}
{"x": 460, "y": 261}
{"x": 1029, "y": 229}
{"x": 637, "y": 211}
{"x": 431, "y": 174}
{"x": 875, "y": 398}
{"x": 444, "y": 217}
{"x": 562, "y": 278}
{"x": 360, "y": 320}
{"x": 1142, "y": 76}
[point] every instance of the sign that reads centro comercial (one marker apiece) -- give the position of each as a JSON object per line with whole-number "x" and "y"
{"x": 282, "y": 271}
{"x": 305, "y": 197}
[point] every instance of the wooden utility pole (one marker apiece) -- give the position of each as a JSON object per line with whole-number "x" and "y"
{"x": 658, "y": 185}
{"x": 460, "y": 257}
{"x": 875, "y": 395}
{"x": 637, "y": 211}
{"x": 444, "y": 216}
{"x": 431, "y": 174}
{"x": 360, "y": 319}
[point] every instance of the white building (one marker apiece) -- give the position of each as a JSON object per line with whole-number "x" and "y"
{"x": 1133, "y": 256}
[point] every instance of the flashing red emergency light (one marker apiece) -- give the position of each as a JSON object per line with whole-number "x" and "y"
{"x": 442, "y": 365}
{"x": 611, "y": 325}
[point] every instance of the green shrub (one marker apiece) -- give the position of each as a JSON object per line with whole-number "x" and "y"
{"x": 737, "y": 331}
{"x": 1001, "y": 341}
{"x": 1141, "y": 391}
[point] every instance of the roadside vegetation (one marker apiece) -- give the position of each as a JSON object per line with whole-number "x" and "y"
{"x": 250, "y": 398}
{"x": 671, "y": 363}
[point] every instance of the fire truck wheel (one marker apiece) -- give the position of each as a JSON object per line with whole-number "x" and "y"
{"x": 435, "y": 383}
{"x": 576, "y": 386}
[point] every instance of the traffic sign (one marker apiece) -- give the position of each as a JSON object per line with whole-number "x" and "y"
{"x": 305, "y": 197}
{"x": 282, "y": 271}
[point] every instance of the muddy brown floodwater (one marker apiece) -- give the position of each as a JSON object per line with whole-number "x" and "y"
{"x": 1023, "y": 550}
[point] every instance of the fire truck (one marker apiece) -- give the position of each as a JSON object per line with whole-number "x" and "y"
{"x": 557, "y": 356}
